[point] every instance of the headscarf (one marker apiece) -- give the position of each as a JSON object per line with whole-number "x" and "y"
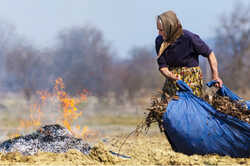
{"x": 172, "y": 27}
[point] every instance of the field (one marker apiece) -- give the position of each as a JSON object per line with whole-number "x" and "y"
{"x": 107, "y": 129}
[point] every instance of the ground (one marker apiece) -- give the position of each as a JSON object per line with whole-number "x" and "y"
{"x": 108, "y": 131}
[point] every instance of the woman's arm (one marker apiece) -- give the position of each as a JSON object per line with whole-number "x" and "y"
{"x": 165, "y": 72}
{"x": 214, "y": 68}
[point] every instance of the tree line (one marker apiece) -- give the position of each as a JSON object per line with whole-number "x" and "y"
{"x": 86, "y": 60}
{"x": 82, "y": 57}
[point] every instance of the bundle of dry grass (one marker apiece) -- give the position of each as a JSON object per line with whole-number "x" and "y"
{"x": 154, "y": 114}
{"x": 158, "y": 107}
{"x": 234, "y": 108}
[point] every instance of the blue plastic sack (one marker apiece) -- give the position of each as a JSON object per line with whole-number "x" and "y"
{"x": 192, "y": 126}
{"x": 224, "y": 91}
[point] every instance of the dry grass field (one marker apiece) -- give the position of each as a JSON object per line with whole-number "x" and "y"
{"x": 107, "y": 128}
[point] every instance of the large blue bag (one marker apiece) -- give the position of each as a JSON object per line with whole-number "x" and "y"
{"x": 192, "y": 126}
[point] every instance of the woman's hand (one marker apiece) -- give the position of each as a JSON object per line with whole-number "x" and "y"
{"x": 219, "y": 82}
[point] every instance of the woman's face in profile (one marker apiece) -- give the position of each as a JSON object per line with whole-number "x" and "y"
{"x": 161, "y": 31}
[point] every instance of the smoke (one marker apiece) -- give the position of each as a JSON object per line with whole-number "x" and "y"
{"x": 83, "y": 58}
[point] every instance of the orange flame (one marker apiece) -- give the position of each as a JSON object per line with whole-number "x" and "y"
{"x": 68, "y": 110}
{"x": 68, "y": 104}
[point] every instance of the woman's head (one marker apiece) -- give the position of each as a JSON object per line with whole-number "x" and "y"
{"x": 169, "y": 26}
{"x": 160, "y": 28}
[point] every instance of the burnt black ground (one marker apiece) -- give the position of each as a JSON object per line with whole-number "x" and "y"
{"x": 49, "y": 138}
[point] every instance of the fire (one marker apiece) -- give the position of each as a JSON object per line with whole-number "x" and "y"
{"x": 69, "y": 112}
{"x": 69, "y": 109}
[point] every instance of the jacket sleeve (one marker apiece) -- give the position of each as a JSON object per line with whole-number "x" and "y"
{"x": 200, "y": 47}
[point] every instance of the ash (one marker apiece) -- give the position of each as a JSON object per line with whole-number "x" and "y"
{"x": 50, "y": 138}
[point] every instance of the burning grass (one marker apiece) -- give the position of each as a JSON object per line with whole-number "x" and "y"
{"x": 67, "y": 112}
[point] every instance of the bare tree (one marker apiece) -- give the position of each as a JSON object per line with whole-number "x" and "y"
{"x": 7, "y": 40}
{"x": 140, "y": 72}
{"x": 233, "y": 46}
{"x": 84, "y": 59}
{"x": 25, "y": 65}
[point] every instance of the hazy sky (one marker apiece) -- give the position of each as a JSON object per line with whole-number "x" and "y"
{"x": 125, "y": 23}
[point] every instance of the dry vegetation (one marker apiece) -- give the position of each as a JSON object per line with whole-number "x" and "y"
{"x": 152, "y": 149}
{"x": 110, "y": 133}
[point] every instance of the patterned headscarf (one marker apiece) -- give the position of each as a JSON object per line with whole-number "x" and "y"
{"x": 172, "y": 27}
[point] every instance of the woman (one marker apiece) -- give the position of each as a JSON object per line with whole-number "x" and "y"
{"x": 177, "y": 55}
{"x": 191, "y": 125}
